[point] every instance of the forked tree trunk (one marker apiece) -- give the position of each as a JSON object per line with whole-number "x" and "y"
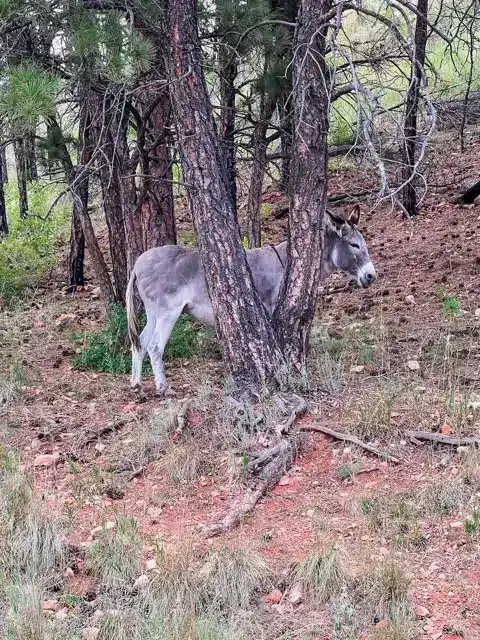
{"x": 409, "y": 194}
{"x": 19, "y": 152}
{"x": 30, "y": 158}
{"x": 259, "y": 166}
{"x": 295, "y": 309}
{"x": 3, "y": 208}
{"x": 250, "y": 346}
{"x": 3, "y": 161}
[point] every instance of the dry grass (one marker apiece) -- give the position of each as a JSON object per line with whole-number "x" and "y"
{"x": 321, "y": 576}
{"x": 115, "y": 557}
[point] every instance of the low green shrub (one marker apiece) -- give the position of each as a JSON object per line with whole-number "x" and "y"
{"x": 108, "y": 351}
{"x": 29, "y": 250}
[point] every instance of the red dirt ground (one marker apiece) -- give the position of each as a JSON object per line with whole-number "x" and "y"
{"x": 438, "y": 249}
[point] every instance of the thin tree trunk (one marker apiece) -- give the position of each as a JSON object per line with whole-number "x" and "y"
{"x": 409, "y": 194}
{"x": 30, "y": 159}
{"x": 250, "y": 347}
{"x": 286, "y": 140}
{"x": 228, "y": 73}
{"x": 76, "y": 182}
{"x": 259, "y": 166}
{"x": 110, "y": 129}
{"x": 3, "y": 161}
{"x": 3, "y": 208}
{"x": 19, "y": 152}
{"x": 295, "y": 309}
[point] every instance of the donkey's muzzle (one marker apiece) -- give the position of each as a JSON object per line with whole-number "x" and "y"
{"x": 367, "y": 276}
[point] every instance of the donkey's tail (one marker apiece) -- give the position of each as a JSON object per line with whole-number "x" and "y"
{"x": 132, "y": 318}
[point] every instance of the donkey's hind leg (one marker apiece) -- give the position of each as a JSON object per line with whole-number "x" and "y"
{"x": 163, "y": 328}
{"x": 139, "y": 354}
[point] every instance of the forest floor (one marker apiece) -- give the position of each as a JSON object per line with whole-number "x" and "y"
{"x": 402, "y": 355}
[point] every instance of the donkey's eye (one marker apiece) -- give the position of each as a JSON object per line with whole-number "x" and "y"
{"x": 354, "y": 245}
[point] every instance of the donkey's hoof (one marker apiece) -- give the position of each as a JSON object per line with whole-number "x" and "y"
{"x": 140, "y": 394}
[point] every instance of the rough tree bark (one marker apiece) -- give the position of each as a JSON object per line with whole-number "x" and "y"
{"x": 470, "y": 195}
{"x": 259, "y": 166}
{"x": 3, "y": 208}
{"x": 155, "y": 201}
{"x": 249, "y": 343}
{"x": 19, "y": 152}
{"x": 228, "y": 70}
{"x": 155, "y": 212}
{"x": 294, "y": 313}
{"x": 30, "y": 159}
{"x": 409, "y": 194}
{"x": 3, "y": 161}
{"x": 109, "y": 129}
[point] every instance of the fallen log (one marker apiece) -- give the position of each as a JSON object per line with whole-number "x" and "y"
{"x": 439, "y": 438}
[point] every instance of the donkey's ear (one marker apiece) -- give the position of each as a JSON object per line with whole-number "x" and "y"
{"x": 354, "y": 217}
{"x": 335, "y": 223}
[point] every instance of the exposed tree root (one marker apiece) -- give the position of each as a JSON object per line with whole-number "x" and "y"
{"x": 417, "y": 436}
{"x": 346, "y": 437}
{"x": 274, "y": 464}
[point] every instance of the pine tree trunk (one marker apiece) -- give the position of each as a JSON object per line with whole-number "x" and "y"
{"x": 259, "y": 167}
{"x": 249, "y": 343}
{"x": 19, "y": 152}
{"x": 109, "y": 123}
{"x": 30, "y": 159}
{"x": 228, "y": 74}
{"x": 286, "y": 136}
{"x": 295, "y": 309}
{"x": 3, "y": 208}
{"x": 409, "y": 194}
{"x": 3, "y": 161}
{"x": 156, "y": 215}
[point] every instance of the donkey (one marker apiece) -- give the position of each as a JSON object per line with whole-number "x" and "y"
{"x": 170, "y": 281}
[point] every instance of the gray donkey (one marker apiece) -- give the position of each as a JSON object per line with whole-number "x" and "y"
{"x": 171, "y": 281}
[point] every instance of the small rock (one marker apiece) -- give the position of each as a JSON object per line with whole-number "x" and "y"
{"x": 457, "y": 524}
{"x": 462, "y": 450}
{"x": 151, "y": 564}
{"x": 273, "y": 597}
{"x": 477, "y": 313}
{"x": 310, "y": 513}
{"x": 69, "y": 573}
{"x": 413, "y": 365}
{"x": 62, "y": 614}
{"x": 295, "y": 596}
{"x": 50, "y": 605}
{"x": 410, "y": 299}
{"x": 100, "y": 447}
{"x": 97, "y": 616}
{"x": 65, "y": 319}
{"x": 382, "y": 624}
{"x": 446, "y": 429}
{"x": 357, "y": 369}
{"x": 285, "y": 481}
{"x": 47, "y": 460}
{"x": 141, "y": 581}
{"x": 422, "y": 612}
{"x": 91, "y": 633}
{"x": 104, "y": 527}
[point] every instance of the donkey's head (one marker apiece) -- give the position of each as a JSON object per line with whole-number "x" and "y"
{"x": 346, "y": 249}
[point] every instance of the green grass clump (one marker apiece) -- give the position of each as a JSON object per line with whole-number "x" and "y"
{"x": 29, "y": 250}
{"x": 108, "y": 351}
